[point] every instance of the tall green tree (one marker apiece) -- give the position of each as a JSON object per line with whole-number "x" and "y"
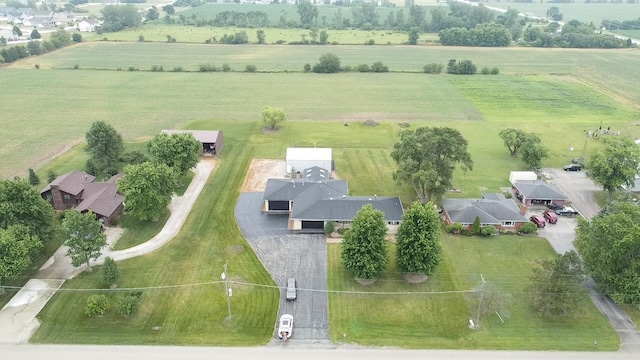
{"x": 152, "y": 13}
{"x": 414, "y": 35}
{"x": 610, "y": 248}
{"x": 180, "y": 152}
{"x": 513, "y": 139}
{"x": 104, "y": 144}
{"x": 21, "y": 204}
{"x": 118, "y": 17}
{"x": 418, "y": 240}
{"x": 110, "y": 272}
{"x": 147, "y": 189}
{"x": 260, "y": 35}
{"x": 35, "y": 34}
{"x": 327, "y": 64}
{"x": 427, "y": 157}
{"x": 308, "y": 12}
{"x": 17, "y": 247}
{"x": 84, "y": 237}
{"x": 556, "y": 285}
{"x": 33, "y": 177}
{"x": 615, "y": 164}
{"x": 272, "y": 116}
{"x": 364, "y": 252}
{"x": 533, "y": 152}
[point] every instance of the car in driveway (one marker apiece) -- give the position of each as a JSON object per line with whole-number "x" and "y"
{"x": 573, "y": 167}
{"x": 538, "y": 220}
{"x": 566, "y": 211}
{"x": 291, "y": 289}
{"x": 285, "y": 327}
{"x": 551, "y": 217}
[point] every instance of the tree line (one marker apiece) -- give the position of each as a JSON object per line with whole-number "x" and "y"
{"x": 57, "y": 39}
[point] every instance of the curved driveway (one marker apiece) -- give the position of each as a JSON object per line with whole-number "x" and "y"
{"x": 18, "y": 318}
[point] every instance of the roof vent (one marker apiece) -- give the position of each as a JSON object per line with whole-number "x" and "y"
{"x": 370, "y": 199}
{"x": 344, "y": 196}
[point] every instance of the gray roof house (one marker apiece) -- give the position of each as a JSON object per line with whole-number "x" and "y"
{"x": 493, "y": 209}
{"x": 316, "y": 199}
{"x": 532, "y": 192}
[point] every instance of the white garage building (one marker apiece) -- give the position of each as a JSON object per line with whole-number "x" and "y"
{"x": 299, "y": 159}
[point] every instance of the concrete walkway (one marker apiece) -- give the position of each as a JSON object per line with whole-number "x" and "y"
{"x": 18, "y": 318}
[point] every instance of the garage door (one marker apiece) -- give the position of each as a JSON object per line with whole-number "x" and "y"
{"x": 279, "y": 205}
{"x": 310, "y": 225}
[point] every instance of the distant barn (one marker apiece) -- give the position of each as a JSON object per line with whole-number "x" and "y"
{"x": 211, "y": 140}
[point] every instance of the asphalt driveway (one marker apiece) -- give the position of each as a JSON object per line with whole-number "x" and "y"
{"x": 578, "y": 188}
{"x": 286, "y": 254}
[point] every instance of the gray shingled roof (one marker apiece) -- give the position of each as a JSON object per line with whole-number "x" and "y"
{"x": 539, "y": 190}
{"x": 315, "y": 173}
{"x": 465, "y": 211}
{"x": 345, "y": 208}
{"x": 72, "y": 182}
{"x": 283, "y": 189}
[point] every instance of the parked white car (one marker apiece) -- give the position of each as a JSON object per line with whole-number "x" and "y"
{"x": 285, "y": 327}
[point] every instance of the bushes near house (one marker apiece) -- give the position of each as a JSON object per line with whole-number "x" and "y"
{"x": 528, "y": 228}
{"x": 489, "y": 230}
{"x": 454, "y": 228}
{"x": 329, "y": 227}
{"x": 475, "y": 228}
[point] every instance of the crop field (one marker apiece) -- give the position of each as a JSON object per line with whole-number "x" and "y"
{"x": 630, "y": 33}
{"x": 152, "y": 100}
{"x": 439, "y": 320}
{"x": 578, "y": 10}
{"x": 192, "y": 34}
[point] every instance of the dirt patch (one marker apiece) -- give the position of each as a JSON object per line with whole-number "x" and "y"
{"x": 260, "y": 170}
{"x": 415, "y": 278}
{"x": 233, "y": 250}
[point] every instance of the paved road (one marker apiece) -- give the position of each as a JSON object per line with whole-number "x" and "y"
{"x": 285, "y": 254}
{"x": 579, "y": 189}
{"x": 18, "y": 318}
{"x": 66, "y": 352}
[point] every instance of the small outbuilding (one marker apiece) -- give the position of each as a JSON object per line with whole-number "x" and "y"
{"x": 211, "y": 140}
{"x": 516, "y": 176}
{"x": 299, "y": 159}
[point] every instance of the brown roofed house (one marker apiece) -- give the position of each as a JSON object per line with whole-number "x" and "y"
{"x": 79, "y": 190}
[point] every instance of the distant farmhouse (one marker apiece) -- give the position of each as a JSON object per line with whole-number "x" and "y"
{"x": 212, "y": 141}
{"x": 79, "y": 190}
{"x": 315, "y": 199}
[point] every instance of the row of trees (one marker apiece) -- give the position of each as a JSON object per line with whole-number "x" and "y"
{"x": 573, "y": 34}
{"x": 418, "y": 251}
{"x": 57, "y": 39}
{"x": 486, "y": 34}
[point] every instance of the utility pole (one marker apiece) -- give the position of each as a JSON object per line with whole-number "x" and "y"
{"x": 227, "y": 289}
{"x": 481, "y": 300}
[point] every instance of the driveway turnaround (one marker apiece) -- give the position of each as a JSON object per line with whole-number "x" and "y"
{"x": 578, "y": 188}
{"x": 289, "y": 255}
{"x": 18, "y": 318}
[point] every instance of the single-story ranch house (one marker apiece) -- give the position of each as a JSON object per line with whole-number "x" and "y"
{"x": 532, "y": 192}
{"x": 211, "y": 140}
{"x": 493, "y": 209}
{"x": 315, "y": 199}
{"x": 79, "y": 190}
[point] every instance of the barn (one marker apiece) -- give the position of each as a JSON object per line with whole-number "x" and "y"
{"x": 211, "y": 140}
{"x": 299, "y": 159}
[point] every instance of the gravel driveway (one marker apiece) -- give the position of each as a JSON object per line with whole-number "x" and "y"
{"x": 286, "y": 254}
{"x": 578, "y": 188}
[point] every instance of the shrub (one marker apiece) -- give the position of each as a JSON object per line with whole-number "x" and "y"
{"x": 475, "y": 228}
{"x": 76, "y": 37}
{"x": 207, "y": 68}
{"x": 51, "y": 175}
{"x": 507, "y": 195}
{"x": 157, "y": 68}
{"x": 279, "y": 42}
{"x": 250, "y": 68}
{"x": 488, "y": 230}
{"x": 328, "y": 64}
{"x": 485, "y": 71}
{"x": 177, "y": 69}
{"x": 226, "y": 67}
{"x": 76, "y": 67}
{"x": 33, "y": 177}
{"x": 341, "y": 230}
{"x": 495, "y": 71}
{"x": 362, "y": 68}
{"x": 370, "y": 42}
{"x": 110, "y": 171}
{"x": 133, "y": 157}
{"x": 307, "y": 67}
{"x": 128, "y": 304}
{"x": 140, "y": 38}
{"x": 329, "y": 227}
{"x": 378, "y": 67}
{"x": 347, "y": 68}
{"x": 110, "y": 272}
{"x": 91, "y": 168}
{"x": 131, "y": 68}
{"x": 37, "y": 66}
{"x": 454, "y": 228}
{"x": 432, "y": 68}
{"x": 528, "y": 228}
{"x": 464, "y": 67}
{"x": 96, "y": 305}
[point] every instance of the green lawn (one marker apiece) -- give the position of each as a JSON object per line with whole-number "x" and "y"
{"x": 630, "y": 33}
{"x": 440, "y": 320}
{"x": 193, "y": 311}
{"x": 634, "y": 313}
{"x": 137, "y": 232}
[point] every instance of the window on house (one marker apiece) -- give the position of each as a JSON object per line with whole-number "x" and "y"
{"x": 508, "y": 223}
{"x": 67, "y": 196}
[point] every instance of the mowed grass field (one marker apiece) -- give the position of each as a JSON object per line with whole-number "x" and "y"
{"x": 435, "y": 314}
{"x": 578, "y": 10}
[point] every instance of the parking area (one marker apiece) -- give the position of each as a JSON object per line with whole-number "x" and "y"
{"x": 285, "y": 254}
{"x": 577, "y": 187}
{"x": 561, "y": 234}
